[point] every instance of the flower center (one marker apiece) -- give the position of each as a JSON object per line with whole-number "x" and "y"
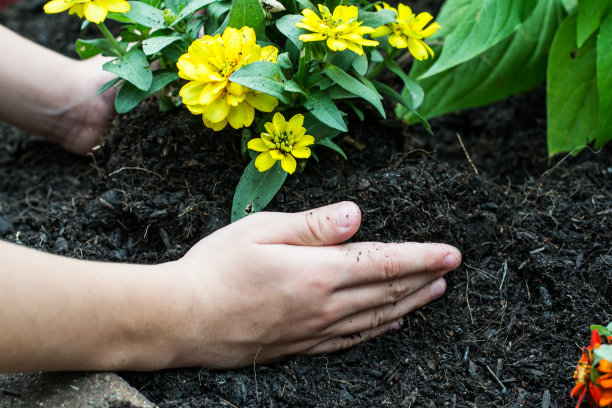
{"x": 284, "y": 141}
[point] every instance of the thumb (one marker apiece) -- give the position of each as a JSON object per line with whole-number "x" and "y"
{"x": 327, "y": 225}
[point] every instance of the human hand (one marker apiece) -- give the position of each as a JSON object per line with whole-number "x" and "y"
{"x": 275, "y": 285}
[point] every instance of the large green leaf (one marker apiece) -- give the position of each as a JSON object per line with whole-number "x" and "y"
{"x": 514, "y": 65}
{"x": 482, "y": 25}
{"x": 248, "y": 13}
{"x": 571, "y": 91}
{"x": 590, "y": 14}
{"x": 146, "y": 15}
{"x": 129, "y": 96}
{"x": 191, "y": 7}
{"x": 324, "y": 109}
{"x": 262, "y": 76}
{"x": 256, "y": 189}
{"x": 604, "y": 82}
{"x": 354, "y": 86}
{"x": 133, "y": 67}
{"x": 153, "y": 45}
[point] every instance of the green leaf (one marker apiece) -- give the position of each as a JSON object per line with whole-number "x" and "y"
{"x": 603, "y": 331}
{"x": 571, "y": 91}
{"x": 355, "y": 86}
{"x": 129, "y": 96}
{"x": 375, "y": 19}
{"x": 108, "y": 85}
{"x": 90, "y": 48}
{"x": 515, "y": 65}
{"x": 248, "y": 13}
{"x": 292, "y": 86}
{"x": 146, "y": 15}
{"x": 133, "y": 67}
{"x": 403, "y": 101}
{"x": 191, "y": 7}
{"x": 256, "y": 189}
{"x": 325, "y": 110}
{"x": 411, "y": 88}
{"x": 262, "y": 76}
{"x": 604, "y": 82}
{"x": 360, "y": 65}
{"x": 484, "y": 24}
{"x": 318, "y": 129}
{"x": 569, "y": 5}
{"x": 286, "y": 25}
{"x": 154, "y": 45}
{"x": 590, "y": 14}
{"x": 603, "y": 352}
{"x": 331, "y": 145}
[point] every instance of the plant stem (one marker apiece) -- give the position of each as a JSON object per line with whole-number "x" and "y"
{"x": 109, "y": 36}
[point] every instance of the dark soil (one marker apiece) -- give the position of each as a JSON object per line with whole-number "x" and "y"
{"x": 536, "y": 240}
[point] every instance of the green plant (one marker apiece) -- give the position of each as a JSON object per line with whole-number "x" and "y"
{"x": 283, "y": 69}
{"x": 491, "y": 49}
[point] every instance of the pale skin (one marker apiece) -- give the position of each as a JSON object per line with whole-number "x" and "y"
{"x": 268, "y": 287}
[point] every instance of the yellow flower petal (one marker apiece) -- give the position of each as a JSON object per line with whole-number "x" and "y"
{"x": 241, "y": 115}
{"x": 289, "y": 164}
{"x": 259, "y": 145}
{"x": 297, "y": 121}
{"x": 190, "y": 92}
{"x": 301, "y": 152}
{"x": 264, "y": 161}
{"x": 335, "y": 44}
{"x": 57, "y": 6}
{"x": 216, "y": 111}
{"x": 305, "y": 140}
{"x": 215, "y": 126}
{"x": 398, "y": 41}
{"x": 269, "y": 53}
{"x": 277, "y": 155}
{"x": 94, "y": 11}
{"x": 116, "y": 6}
{"x": 261, "y": 101}
{"x": 404, "y": 12}
{"x": 381, "y": 31}
{"x": 418, "y": 49}
{"x": 279, "y": 122}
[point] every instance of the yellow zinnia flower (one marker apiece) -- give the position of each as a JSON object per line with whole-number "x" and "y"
{"x": 341, "y": 29}
{"x": 408, "y": 31}
{"x": 93, "y": 10}
{"x": 284, "y": 141}
{"x": 207, "y": 66}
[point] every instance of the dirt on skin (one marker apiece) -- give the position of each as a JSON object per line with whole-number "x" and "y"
{"x": 536, "y": 241}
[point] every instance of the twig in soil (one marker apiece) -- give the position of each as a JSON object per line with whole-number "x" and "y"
{"x": 503, "y": 276}
{"x": 497, "y": 379}
{"x": 467, "y": 154}
{"x": 467, "y": 298}
{"x": 134, "y": 168}
{"x": 605, "y": 212}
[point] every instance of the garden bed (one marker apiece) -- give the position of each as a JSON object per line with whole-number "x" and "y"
{"x": 536, "y": 241}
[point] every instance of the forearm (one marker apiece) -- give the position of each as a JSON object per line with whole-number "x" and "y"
{"x": 35, "y": 87}
{"x": 59, "y": 313}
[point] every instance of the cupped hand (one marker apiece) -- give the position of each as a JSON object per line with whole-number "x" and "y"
{"x": 275, "y": 285}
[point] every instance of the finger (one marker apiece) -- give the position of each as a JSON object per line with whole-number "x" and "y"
{"x": 371, "y": 323}
{"x": 363, "y": 263}
{"x": 365, "y": 297}
{"x": 327, "y": 225}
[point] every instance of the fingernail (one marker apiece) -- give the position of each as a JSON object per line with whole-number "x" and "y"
{"x": 450, "y": 261}
{"x": 396, "y": 324}
{"x": 438, "y": 287}
{"x": 342, "y": 215}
